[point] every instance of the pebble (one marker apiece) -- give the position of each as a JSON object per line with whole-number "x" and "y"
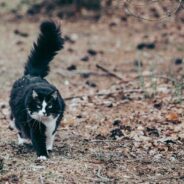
{"x": 71, "y": 68}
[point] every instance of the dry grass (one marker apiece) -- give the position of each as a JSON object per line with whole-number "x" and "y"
{"x": 147, "y": 102}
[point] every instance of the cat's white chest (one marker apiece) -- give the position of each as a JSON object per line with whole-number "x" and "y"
{"x": 50, "y": 127}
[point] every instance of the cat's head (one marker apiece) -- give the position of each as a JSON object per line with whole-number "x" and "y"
{"x": 43, "y": 105}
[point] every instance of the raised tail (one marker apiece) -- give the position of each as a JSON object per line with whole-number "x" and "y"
{"x": 49, "y": 42}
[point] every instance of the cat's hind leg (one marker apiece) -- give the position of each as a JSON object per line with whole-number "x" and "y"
{"x": 22, "y": 140}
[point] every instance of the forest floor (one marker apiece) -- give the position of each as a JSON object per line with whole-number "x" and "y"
{"x": 124, "y": 124}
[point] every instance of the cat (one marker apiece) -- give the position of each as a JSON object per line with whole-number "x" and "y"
{"x": 36, "y": 105}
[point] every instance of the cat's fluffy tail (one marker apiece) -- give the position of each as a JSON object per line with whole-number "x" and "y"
{"x": 49, "y": 42}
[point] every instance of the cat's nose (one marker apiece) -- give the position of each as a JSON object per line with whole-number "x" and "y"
{"x": 44, "y": 113}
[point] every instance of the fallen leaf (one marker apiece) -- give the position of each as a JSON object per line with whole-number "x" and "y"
{"x": 173, "y": 117}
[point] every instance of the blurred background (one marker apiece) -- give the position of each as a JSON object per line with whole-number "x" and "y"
{"x": 95, "y": 8}
{"x": 121, "y": 74}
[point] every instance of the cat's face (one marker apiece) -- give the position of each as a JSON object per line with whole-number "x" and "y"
{"x": 43, "y": 107}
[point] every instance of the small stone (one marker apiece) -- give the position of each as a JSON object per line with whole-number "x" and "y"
{"x": 70, "y": 50}
{"x": 34, "y": 9}
{"x": 152, "y": 132}
{"x": 19, "y": 43}
{"x": 158, "y": 105}
{"x": 85, "y": 75}
{"x": 71, "y": 39}
{"x": 66, "y": 82}
{"x": 126, "y": 128}
{"x": 112, "y": 24}
{"x": 117, "y": 122}
{"x": 68, "y": 39}
{"x": 2, "y": 105}
{"x": 91, "y": 84}
{"x": 85, "y": 58}
{"x": 182, "y": 177}
{"x": 124, "y": 19}
{"x": 92, "y": 52}
{"x": 79, "y": 116}
{"x": 74, "y": 37}
{"x": 116, "y": 133}
{"x": 141, "y": 46}
{"x": 108, "y": 104}
{"x": 178, "y": 61}
{"x": 71, "y": 68}
{"x": 13, "y": 179}
{"x": 3, "y": 4}
{"x": 150, "y": 45}
{"x": 154, "y": 12}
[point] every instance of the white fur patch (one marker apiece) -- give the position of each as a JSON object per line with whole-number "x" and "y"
{"x": 50, "y": 127}
{"x": 21, "y": 141}
{"x": 43, "y": 110}
{"x": 42, "y": 158}
{"x": 34, "y": 94}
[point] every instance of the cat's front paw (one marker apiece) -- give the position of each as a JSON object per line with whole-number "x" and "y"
{"x": 42, "y": 158}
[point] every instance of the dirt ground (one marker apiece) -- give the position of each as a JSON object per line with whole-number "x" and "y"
{"x": 121, "y": 128}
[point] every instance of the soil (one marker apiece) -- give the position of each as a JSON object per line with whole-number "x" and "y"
{"x": 124, "y": 124}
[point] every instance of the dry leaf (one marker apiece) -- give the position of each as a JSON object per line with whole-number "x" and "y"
{"x": 173, "y": 117}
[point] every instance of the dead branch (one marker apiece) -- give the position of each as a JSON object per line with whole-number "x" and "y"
{"x": 105, "y": 94}
{"x": 81, "y": 72}
{"x": 104, "y": 179}
{"x": 161, "y": 178}
{"x": 157, "y": 76}
{"x": 110, "y": 73}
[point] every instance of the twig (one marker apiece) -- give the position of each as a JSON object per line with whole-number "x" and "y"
{"x": 82, "y": 73}
{"x": 105, "y": 94}
{"x": 169, "y": 177}
{"x": 41, "y": 179}
{"x": 110, "y": 73}
{"x": 159, "y": 76}
{"x": 102, "y": 177}
{"x": 96, "y": 140}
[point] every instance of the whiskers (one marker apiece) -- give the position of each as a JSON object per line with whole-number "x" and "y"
{"x": 26, "y": 109}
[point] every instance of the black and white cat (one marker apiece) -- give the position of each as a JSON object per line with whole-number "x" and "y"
{"x": 36, "y": 106}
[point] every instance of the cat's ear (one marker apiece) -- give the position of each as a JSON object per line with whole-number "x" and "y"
{"x": 34, "y": 94}
{"x": 54, "y": 95}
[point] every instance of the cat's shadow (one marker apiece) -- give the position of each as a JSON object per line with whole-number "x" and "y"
{"x": 22, "y": 149}
{"x": 27, "y": 149}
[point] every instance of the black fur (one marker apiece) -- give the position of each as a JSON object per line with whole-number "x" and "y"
{"x": 48, "y": 43}
{"x": 23, "y": 104}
